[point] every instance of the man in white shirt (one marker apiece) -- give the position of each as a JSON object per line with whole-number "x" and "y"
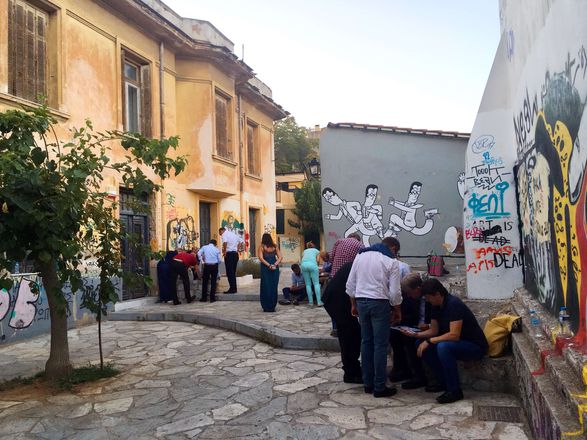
{"x": 210, "y": 257}
{"x": 374, "y": 289}
{"x": 230, "y": 247}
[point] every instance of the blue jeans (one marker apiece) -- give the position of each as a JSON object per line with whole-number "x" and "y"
{"x": 374, "y": 320}
{"x": 442, "y": 358}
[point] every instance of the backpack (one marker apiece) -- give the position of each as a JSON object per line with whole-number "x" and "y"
{"x": 435, "y": 265}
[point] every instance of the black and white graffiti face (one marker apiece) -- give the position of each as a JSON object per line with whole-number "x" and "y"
{"x": 332, "y": 198}
{"x": 415, "y": 190}
{"x": 370, "y": 195}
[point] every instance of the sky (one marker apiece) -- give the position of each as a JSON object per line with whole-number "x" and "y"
{"x": 406, "y": 63}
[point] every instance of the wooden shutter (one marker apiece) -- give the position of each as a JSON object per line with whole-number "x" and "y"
{"x": 123, "y": 94}
{"x": 221, "y": 126}
{"x": 41, "y": 55}
{"x": 251, "y": 166}
{"x": 146, "y": 100}
{"x": 27, "y": 51}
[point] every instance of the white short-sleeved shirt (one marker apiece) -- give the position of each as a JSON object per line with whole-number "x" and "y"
{"x": 232, "y": 241}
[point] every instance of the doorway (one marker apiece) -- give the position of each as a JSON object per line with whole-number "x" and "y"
{"x": 253, "y": 218}
{"x": 134, "y": 262}
{"x": 205, "y": 222}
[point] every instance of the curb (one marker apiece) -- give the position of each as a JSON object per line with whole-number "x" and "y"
{"x": 264, "y": 333}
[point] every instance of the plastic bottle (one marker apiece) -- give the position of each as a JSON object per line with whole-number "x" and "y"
{"x": 564, "y": 320}
{"x": 535, "y": 324}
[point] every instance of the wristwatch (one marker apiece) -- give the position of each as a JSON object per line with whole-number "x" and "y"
{"x": 429, "y": 341}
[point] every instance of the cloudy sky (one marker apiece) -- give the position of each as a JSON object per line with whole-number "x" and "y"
{"x": 408, "y": 63}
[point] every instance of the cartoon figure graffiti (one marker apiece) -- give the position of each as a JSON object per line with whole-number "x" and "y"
{"x": 407, "y": 219}
{"x": 365, "y": 220}
{"x": 181, "y": 233}
{"x": 372, "y": 214}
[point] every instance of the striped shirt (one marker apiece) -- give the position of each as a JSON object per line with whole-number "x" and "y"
{"x": 344, "y": 251}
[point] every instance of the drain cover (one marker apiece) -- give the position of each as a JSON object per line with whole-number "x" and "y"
{"x": 499, "y": 414}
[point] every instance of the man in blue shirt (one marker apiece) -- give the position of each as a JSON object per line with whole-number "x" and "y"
{"x": 297, "y": 289}
{"x": 210, "y": 257}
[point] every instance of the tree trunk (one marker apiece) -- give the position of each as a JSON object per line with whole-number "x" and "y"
{"x": 58, "y": 364}
{"x": 100, "y": 337}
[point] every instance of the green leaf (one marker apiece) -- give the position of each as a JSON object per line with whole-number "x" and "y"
{"x": 44, "y": 256}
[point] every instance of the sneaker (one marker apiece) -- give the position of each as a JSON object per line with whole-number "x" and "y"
{"x": 284, "y": 302}
{"x": 450, "y": 397}
{"x": 385, "y": 392}
{"x": 320, "y": 304}
{"x": 296, "y": 302}
{"x": 368, "y": 390}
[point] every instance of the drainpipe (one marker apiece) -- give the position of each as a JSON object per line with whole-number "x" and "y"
{"x": 241, "y": 158}
{"x": 161, "y": 136}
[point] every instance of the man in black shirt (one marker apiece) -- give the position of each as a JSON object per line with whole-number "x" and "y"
{"x": 338, "y": 306}
{"x": 454, "y": 334}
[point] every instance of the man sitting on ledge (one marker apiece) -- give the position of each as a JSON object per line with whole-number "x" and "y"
{"x": 454, "y": 334}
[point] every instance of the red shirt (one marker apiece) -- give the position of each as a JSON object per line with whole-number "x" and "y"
{"x": 344, "y": 251}
{"x": 187, "y": 259}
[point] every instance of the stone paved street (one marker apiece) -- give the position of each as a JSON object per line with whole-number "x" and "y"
{"x": 182, "y": 381}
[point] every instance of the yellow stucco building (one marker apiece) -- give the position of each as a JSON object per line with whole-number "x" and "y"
{"x": 137, "y": 65}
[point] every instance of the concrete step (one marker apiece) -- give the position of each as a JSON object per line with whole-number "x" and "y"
{"x": 550, "y": 401}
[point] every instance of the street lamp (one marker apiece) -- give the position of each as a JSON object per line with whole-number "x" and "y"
{"x": 314, "y": 166}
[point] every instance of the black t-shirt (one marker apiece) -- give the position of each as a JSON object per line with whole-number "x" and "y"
{"x": 454, "y": 309}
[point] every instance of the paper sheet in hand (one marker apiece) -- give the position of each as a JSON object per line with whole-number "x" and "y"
{"x": 405, "y": 327}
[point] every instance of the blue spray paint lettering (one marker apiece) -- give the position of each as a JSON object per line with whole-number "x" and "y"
{"x": 489, "y": 206}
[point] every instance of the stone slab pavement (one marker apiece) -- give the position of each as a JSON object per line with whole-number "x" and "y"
{"x": 183, "y": 381}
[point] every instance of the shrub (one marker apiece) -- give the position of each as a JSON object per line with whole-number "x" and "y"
{"x": 250, "y": 266}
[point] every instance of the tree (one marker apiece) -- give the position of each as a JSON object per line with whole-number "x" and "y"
{"x": 292, "y": 146}
{"x": 54, "y": 207}
{"x": 308, "y": 208}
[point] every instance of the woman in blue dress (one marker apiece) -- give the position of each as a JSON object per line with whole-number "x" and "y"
{"x": 164, "y": 277}
{"x": 270, "y": 257}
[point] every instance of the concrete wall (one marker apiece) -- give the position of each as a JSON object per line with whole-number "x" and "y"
{"x": 24, "y": 314}
{"x": 352, "y": 159}
{"x": 539, "y": 129}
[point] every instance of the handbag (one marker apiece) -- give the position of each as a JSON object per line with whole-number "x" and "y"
{"x": 435, "y": 265}
{"x": 497, "y": 332}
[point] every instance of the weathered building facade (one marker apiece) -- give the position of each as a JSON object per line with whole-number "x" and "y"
{"x": 382, "y": 181}
{"x": 136, "y": 65}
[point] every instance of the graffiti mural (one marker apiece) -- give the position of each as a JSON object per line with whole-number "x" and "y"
{"x": 181, "y": 233}
{"x": 407, "y": 219}
{"x": 367, "y": 218}
{"x": 230, "y": 221}
{"x": 552, "y": 190}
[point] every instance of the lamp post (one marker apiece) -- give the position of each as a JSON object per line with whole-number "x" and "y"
{"x": 314, "y": 167}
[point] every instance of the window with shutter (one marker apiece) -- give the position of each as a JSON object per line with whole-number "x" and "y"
{"x": 252, "y": 147}
{"x": 27, "y": 51}
{"x": 222, "y": 111}
{"x": 136, "y": 94}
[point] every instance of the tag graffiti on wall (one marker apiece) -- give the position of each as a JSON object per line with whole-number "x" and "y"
{"x": 181, "y": 233}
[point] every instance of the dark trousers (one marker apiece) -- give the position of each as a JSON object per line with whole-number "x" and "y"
{"x": 230, "y": 261}
{"x": 178, "y": 269}
{"x": 338, "y": 307}
{"x": 294, "y": 295}
{"x": 210, "y": 275}
{"x": 442, "y": 358}
{"x": 405, "y": 359}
